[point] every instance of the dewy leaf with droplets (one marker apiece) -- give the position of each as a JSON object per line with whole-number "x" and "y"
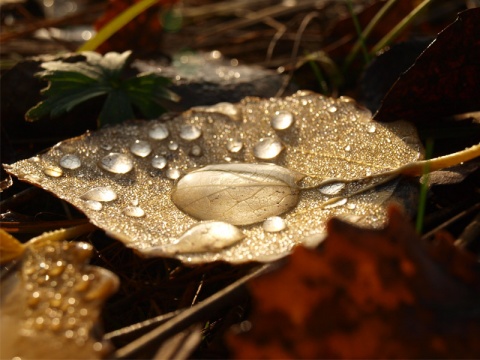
{"x": 50, "y": 303}
{"x": 328, "y": 138}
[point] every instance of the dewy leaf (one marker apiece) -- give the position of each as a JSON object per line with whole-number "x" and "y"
{"x": 332, "y": 143}
{"x": 51, "y": 300}
{"x": 71, "y": 84}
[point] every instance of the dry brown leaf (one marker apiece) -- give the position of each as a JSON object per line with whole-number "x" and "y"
{"x": 132, "y": 169}
{"x": 366, "y": 294}
{"x": 51, "y": 301}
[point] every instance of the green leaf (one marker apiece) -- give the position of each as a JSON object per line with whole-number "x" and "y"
{"x": 71, "y": 84}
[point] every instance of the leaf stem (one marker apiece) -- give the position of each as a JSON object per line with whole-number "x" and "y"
{"x": 366, "y": 32}
{"x": 116, "y": 24}
{"x": 395, "y": 32}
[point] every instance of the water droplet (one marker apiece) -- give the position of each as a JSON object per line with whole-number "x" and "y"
{"x": 134, "y": 211}
{"x": 226, "y": 108}
{"x": 158, "y": 132}
{"x": 173, "y": 173}
{"x": 190, "y": 132}
{"x": 173, "y": 145}
{"x": 237, "y": 193}
{"x": 274, "y": 224}
{"x": 94, "y": 205}
{"x": 141, "y": 148}
{"x": 202, "y": 237}
{"x": 371, "y": 129}
{"x": 134, "y": 202}
{"x": 282, "y": 120}
{"x": 70, "y": 162}
{"x": 336, "y": 204}
{"x": 347, "y": 148}
{"x": 234, "y": 145}
{"x": 267, "y": 148}
{"x": 53, "y": 171}
{"x": 159, "y": 162}
{"x": 332, "y": 189}
{"x": 351, "y": 206}
{"x": 117, "y": 163}
{"x": 107, "y": 147}
{"x": 102, "y": 193}
{"x": 332, "y": 109}
{"x": 196, "y": 150}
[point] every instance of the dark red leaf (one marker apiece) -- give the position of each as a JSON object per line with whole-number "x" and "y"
{"x": 444, "y": 79}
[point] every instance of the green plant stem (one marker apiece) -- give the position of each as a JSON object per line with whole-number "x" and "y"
{"x": 422, "y": 201}
{"x": 395, "y": 32}
{"x": 366, "y": 32}
{"x": 116, "y": 24}
{"x": 318, "y": 75}
{"x": 361, "y": 38}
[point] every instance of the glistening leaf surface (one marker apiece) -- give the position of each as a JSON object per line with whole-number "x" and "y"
{"x": 328, "y": 139}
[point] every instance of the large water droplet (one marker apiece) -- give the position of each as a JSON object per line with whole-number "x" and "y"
{"x": 158, "y": 132}
{"x": 274, "y": 224}
{"x": 101, "y": 193}
{"x": 159, "y": 161}
{"x": 70, "y": 162}
{"x": 282, "y": 120}
{"x": 226, "y": 108}
{"x": 134, "y": 211}
{"x": 53, "y": 171}
{"x": 234, "y": 145}
{"x": 173, "y": 173}
{"x": 237, "y": 193}
{"x": 267, "y": 148}
{"x": 93, "y": 205}
{"x": 332, "y": 189}
{"x": 205, "y": 236}
{"x": 190, "y": 132}
{"x": 141, "y": 148}
{"x": 117, "y": 163}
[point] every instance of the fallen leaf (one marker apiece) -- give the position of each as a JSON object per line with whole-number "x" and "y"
{"x": 51, "y": 300}
{"x": 442, "y": 81}
{"x": 326, "y": 139}
{"x": 366, "y": 294}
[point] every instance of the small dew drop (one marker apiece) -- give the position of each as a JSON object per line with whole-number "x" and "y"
{"x": 267, "y": 148}
{"x": 107, "y": 147}
{"x": 70, "y": 162}
{"x": 234, "y": 145}
{"x": 371, "y": 129}
{"x": 332, "y": 109}
{"x": 282, "y": 120}
{"x": 158, "y": 132}
{"x": 159, "y": 161}
{"x": 134, "y": 211}
{"x": 173, "y": 145}
{"x": 102, "y": 193}
{"x": 94, "y": 205}
{"x": 117, "y": 163}
{"x": 53, "y": 171}
{"x": 347, "y": 148}
{"x": 332, "y": 189}
{"x": 173, "y": 173}
{"x": 141, "y": 148}
{"x": 338, "y": 203}
{"x": 274, "y": 224}
{"x": 351, "y": 206}
{"x": 196, "y": 151}
{"x": 190, "y": 132}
